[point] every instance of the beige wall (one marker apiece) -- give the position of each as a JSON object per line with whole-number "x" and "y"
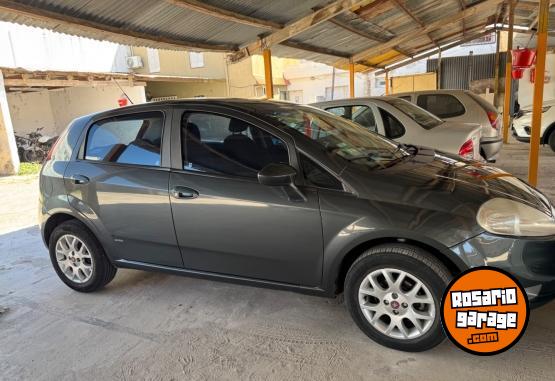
{"x": 177, "y": 63}
{"x": 214, "y": 88}
{"x": 54, "y": 109}
{"x": 241, "y": 79}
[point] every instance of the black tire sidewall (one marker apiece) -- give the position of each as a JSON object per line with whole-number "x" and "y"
{"x": 100, "y": 263}
{"x": 551, "y": 140}
{"x": 424, "y": 273}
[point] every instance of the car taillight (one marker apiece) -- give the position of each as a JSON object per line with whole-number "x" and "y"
{"x": 52, "y": 150}
{"x": 492, "y": 116}
{"x": 467, "y": 150}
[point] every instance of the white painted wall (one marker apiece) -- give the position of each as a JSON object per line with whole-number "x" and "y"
{"x": 54, "y": 109}
{"x": 526, "y": 88}
{"x": 307, "y": 82}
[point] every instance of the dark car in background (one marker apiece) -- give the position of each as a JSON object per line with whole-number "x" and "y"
{"x": 291, "y": 197}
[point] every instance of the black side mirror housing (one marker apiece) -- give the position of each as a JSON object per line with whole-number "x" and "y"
{"x": 277, "y": 174}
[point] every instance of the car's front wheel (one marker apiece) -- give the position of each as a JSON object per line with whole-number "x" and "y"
{"x": 78, "y": 258}
{"x": 394, "y": 292}
{"x": 551, "y": 140}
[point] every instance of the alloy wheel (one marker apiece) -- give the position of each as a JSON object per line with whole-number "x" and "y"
{"x": 396, "y": 303}
{"x": 74, "y": 258}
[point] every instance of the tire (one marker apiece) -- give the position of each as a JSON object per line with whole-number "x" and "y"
{"x": 398, "y": 305}
{"x": 89, "y": 268}
{"x": 551, "y": 140}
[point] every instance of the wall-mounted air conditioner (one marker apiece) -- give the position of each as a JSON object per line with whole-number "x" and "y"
{"x": 134, "y": 62}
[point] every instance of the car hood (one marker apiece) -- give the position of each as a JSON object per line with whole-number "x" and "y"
{"x": 441, "y": 181}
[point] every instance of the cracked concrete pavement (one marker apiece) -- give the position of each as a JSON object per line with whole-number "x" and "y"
{"x": 158, "y": 326}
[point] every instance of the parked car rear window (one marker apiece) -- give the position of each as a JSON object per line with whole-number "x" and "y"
{"x": 362, "y": 115}
{"x": 424, "y": 118}
{"x": 393, "y": 128}
{"x": 222, "y": 145}
{"x": 131, "y": 139}
{"x": 441, "y": 105}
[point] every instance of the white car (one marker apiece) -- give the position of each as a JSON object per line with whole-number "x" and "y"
{"x": 406, "y": 123}
{"x": 523, "y": 121}
{"x": 467, "y": 107}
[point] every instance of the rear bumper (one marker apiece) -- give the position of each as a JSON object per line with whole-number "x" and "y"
{"x": 531, "y": 261}
{"x": 491, "y": 147}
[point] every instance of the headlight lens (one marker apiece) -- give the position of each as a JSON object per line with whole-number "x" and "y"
{"x": 507, "y": 217}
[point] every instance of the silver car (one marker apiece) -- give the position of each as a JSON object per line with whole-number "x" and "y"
{"x": 406, "y": 123}
{"x": 464, "y": 106}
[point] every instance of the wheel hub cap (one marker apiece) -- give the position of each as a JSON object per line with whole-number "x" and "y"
{"x": 397, "y": 303}
{"x": 74, "y": 259}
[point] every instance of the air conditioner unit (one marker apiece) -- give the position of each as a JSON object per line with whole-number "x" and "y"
{"x": 134, "y": 62}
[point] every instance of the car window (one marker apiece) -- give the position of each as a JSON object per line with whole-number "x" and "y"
{"x": 393, "y": 128}
{"x": 334, "y": 136}
{"x": 424, "y": 118}
{"x": 222, "y": 145}
{"x": 134, "y": 139}
{"x": 362, "y": 115}
{"x": 318, "y": 176}
{"x": 441, "y": 105}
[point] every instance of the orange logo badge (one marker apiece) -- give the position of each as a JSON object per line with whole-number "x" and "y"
{"x": 485, "y": 311}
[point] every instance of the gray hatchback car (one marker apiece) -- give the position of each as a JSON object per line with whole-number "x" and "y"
{"x": 286, "y": 196}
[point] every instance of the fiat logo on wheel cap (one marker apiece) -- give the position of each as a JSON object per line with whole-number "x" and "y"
{"x": 395, "y": 305}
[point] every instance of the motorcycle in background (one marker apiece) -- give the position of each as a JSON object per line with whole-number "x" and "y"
{"x": 35, "y": 146}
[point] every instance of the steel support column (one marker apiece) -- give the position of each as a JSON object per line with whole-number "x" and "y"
{"x": 541, "y": 51}
{"x": 508, "y": 78}
{"x": 267, "y": 54}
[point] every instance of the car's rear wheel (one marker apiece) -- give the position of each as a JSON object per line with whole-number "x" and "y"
{"x": 551, "y": 139}
{"x": 394, "y": 292}
{"x": 78, "y": 258}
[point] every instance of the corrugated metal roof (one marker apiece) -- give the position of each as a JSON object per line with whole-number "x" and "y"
{"x": 161, "y": 21}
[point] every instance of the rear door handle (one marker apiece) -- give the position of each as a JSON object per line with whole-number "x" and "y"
{"x": 80, "y": 179}
{"x": 183, "y": 192}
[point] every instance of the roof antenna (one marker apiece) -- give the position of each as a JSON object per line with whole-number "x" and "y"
{"x": 123, "y": 91}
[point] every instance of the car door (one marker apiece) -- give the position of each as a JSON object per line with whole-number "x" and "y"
{"x": 119, "y": 182}
{"x": 226, "y": 221}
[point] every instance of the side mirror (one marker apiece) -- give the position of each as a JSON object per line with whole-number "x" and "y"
{"x": 276, "y": 174}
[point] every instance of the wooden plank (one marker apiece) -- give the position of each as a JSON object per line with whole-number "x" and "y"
{"x": 224, "y": 14}
{"x": 314, "y": 49}
{"x": 441, "y": 23}
{"x": 362, "y": 33}
{"x": 100, "y": 31}
{"x": 296, "y": 27}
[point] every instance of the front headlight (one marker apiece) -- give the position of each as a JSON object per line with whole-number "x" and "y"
{"x": 507, "y": 217}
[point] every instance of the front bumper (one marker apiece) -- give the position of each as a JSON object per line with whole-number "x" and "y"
{"x": 531, "y": 261}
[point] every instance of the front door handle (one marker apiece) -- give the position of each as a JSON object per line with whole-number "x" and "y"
{"x": 80, "y": 179}
{"x": 183, "y": 192}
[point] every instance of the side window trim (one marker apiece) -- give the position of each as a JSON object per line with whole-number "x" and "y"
{"x": 164, "y": 164}
{"x": 346, "y": 187}
{"x": 177, "y": 161}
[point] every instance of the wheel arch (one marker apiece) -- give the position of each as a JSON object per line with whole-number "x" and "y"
{"x": 548, "y": 131}
{"x": 335, "y": 283}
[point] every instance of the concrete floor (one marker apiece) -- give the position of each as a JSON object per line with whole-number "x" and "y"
{"x": 156, "y": 326}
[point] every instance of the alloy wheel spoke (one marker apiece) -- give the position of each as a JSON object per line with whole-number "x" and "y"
{"x": 74, "y": 259}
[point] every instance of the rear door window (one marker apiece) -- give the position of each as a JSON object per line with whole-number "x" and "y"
{"x": 318, "y": 176}
{"x": 362, "y": 115}
{"x": 393, "y": 128}
{"x": 131, "y": 139}
{"x": 441, "y": 105}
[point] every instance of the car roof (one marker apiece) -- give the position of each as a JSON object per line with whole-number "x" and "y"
{"x": 442, "y": 91}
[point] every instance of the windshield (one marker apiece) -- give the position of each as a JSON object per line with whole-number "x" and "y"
{"x": 424, "y": 118}
{"x": 336, "y": 136}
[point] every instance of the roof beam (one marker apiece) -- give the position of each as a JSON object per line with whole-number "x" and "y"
{"x": 224, "y": 14}
{"x": 463, "y": 7}
{"x": 314, "y": 49}
{"x": 408, "y": 12}
{"x": 79, "y": 26}
{"x": 435, "y": 51}
{"x": 297, "y": 27}
{"x": 477, "y": 9}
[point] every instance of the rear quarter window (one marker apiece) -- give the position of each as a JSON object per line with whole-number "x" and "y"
{"x": 131, "y": 139}
{"x": 441, "y": 105}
